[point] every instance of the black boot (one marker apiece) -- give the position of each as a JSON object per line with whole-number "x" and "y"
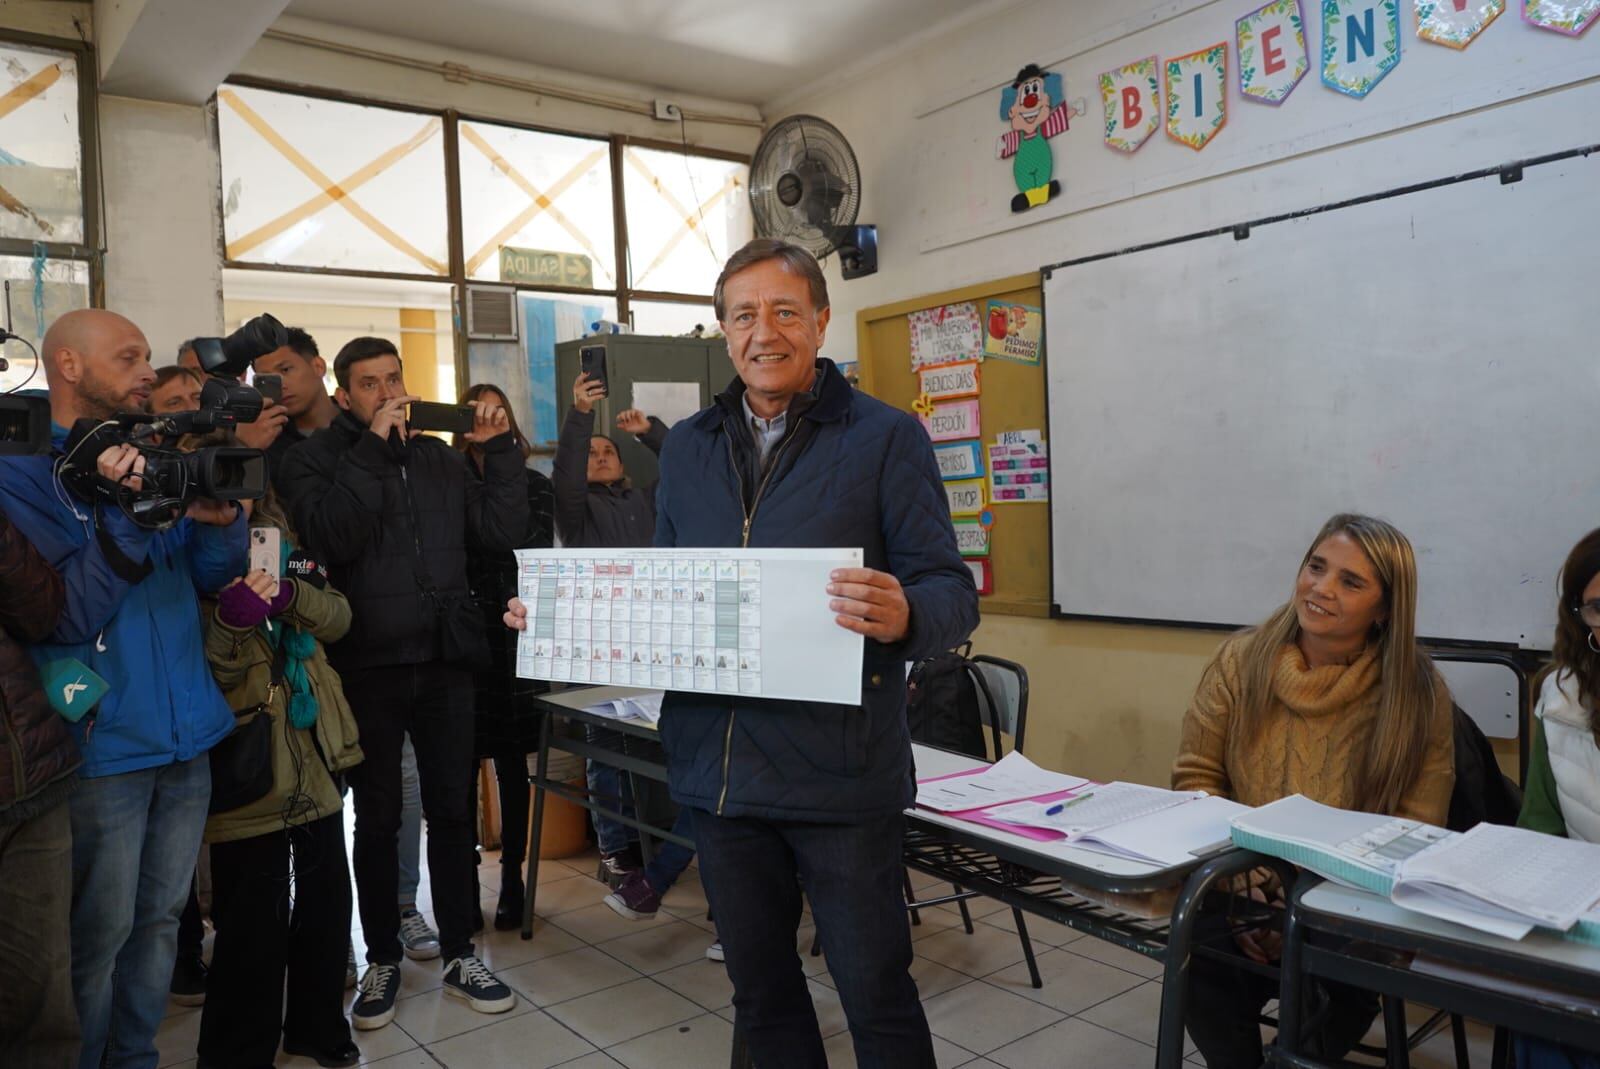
{"x": 508, "y": 913}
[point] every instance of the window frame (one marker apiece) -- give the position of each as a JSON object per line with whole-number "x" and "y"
{"x": 91, "y": 250}
{"x": 624, "y": 293}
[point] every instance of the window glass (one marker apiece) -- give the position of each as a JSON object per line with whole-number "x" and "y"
{"x": 41, "y": 147}
{"x": 319, "y": 183}
{"x": 37, "y": 300}
{"x": 686, "y": 216}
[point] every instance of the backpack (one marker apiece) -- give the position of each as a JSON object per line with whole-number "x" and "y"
{"x": 942, "y": 707}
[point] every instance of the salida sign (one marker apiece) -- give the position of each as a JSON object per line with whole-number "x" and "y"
{"x": 542, "y": 267}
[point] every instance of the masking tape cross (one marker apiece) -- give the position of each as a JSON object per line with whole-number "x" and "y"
{"x": 691, "y": 220}
{"x": 540, "y": 200}
{"x": 331, "y": 192}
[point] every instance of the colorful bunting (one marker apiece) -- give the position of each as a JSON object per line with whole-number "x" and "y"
{"x": 1456, "y": 23}
{"x": 1197, "y": 95}
{"x": 1272, "y": 51}
{"x": 1360, "y": 43}
{"x": 1132, "y": 96}
{"x": 1570, "y": 17}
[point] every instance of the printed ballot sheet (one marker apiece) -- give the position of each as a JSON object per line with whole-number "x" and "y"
{"x": 752, "y": 622}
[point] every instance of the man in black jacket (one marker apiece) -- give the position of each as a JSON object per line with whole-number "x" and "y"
{"x": 38, "y": 765}
{"x": 393, "y": 514}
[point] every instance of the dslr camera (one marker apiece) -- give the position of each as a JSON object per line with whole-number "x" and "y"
{"x": 173, "y": 479}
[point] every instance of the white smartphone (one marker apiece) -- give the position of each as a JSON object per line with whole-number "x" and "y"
{"x": 266, "y": 548}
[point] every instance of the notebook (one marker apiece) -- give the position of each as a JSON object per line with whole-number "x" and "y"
{"x": 1131, "y": 820}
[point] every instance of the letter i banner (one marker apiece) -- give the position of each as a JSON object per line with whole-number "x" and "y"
{"x": 1360, "y": 43}
{"x": 1132, "y": 97}
{"x": 1272, "y": 51}
{"x": 1197, "y": 95}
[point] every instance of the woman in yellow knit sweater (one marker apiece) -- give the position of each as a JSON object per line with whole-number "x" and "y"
{"x": 1332, "y": 698}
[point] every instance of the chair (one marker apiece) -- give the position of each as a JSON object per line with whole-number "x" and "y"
{"x": 1002, "y": 688}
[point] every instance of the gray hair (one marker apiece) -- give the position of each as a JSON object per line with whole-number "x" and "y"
{"x": 795, "y": 260}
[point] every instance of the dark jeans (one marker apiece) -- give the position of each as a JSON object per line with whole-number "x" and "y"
{"x": 433, "y": 703}
{"x": 511, "y": 774}
{"x": 1225, "y": 1004}
{"x": 854, "y": 877}
{"x": 262, "y": 939}
{"x": 670, "y": 859}
{"x": 38, "y": 1022}
{"x": 191, "y": 929}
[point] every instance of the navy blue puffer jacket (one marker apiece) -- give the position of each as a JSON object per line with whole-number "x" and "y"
{"x": 851, "y": 472}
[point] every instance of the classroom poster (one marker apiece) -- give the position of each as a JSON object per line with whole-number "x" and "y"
{"x": 1019, "y": 473}
{"x": 1197, "y": 95}
{"x": 1014, "y": 331}
{"x": 952, "y": 420}
{"x": 945, "y": 335}
{"x": 1272, "y": 51}
{"x": 972, "y": 538}
{"x": 966, "y": 497}
{"x": 1456, "y": 23}
{"x": 959, "y": 460}
{"x": 1132, "y": 98}
{"x": 1360, "y": 44}
{"x": 945, "y": 381}
{"x": 1571, "y": 17}
{"x": 982, "y": 575}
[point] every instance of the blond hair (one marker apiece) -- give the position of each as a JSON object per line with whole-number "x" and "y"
{"x": 1407, "y": 685}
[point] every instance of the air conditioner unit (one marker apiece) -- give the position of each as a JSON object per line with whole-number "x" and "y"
{"x": 492, "y": 313}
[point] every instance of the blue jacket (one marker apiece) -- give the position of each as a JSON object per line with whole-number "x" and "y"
{"x": 850, "y": 472}
{"x": 143, "y": 637}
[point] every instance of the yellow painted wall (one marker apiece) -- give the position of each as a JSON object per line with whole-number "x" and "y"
{"x": 419, "y": 351}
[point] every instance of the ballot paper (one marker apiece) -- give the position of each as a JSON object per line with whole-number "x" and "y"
{"x": 645, "y": 706}
{"x": 1092, "y": 810}
{"x": 1009, "y": 779}
{"x": 748, "y": 622}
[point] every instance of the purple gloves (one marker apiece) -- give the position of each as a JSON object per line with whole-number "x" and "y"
{"x": 240, "y": 607}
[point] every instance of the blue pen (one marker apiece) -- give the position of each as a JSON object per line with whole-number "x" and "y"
{"x": 1059, "y": 806}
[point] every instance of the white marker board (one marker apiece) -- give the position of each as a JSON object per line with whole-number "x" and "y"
{"x": 1426, "y": 357}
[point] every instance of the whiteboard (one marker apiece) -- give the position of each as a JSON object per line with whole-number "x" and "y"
{"x": 1428, "y": 357}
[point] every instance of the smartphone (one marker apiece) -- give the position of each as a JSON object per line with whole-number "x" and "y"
{"x": 432, "y": 416}
{"x": 592, "y": 359}
{"x": 266, "y": 548}
{"x": 271, "y": 387}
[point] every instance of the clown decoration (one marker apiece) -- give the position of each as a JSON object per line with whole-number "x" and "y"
{"x": 1034, "y": 107}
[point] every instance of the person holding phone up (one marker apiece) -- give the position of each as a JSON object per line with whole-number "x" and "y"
{"x": 393, "y": 514}
{"x": 264, "y": 638}
{"x": 598, "y": 507}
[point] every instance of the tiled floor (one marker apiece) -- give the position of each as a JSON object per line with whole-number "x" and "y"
{"x": 595, "y": 991}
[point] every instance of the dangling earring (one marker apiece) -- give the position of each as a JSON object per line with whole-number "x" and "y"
{"x": 1592, "y": 646}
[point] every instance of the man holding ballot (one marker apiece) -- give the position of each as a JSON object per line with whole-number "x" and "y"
{"x": 793, "y": 797}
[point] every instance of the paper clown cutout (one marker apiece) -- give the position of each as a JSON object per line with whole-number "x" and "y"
{"x": 1034, "y": 106}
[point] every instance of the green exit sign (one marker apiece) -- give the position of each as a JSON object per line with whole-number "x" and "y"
{"x": 541, "y": 267}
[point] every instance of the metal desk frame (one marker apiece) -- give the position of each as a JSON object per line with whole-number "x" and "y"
{"x": 1395, "y": 978}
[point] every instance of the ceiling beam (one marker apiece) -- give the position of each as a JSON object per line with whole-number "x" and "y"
{"x": 177, "y": 51}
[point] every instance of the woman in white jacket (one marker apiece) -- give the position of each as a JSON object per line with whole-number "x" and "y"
{"x": 1562, "y": 792}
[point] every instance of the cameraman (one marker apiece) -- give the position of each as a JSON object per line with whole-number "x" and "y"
{"x": 130, "y": 617}
{"x": 38, "y": 1025}
{"x": 393, "y": 514}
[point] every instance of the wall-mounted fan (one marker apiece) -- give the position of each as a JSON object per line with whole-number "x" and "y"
{"x": 805, "y": 188}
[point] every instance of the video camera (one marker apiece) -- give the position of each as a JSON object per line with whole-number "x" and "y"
{"x": 172, "y": 478}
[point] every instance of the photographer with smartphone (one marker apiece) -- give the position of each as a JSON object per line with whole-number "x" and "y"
{"x": 128, "y": 638}
{"x": 393, "y": 513}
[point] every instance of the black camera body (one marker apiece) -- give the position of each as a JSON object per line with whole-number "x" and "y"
{"x": 24, "y": 425}
{"x": 232, "y": 355}
{"x": 172, "y": 479}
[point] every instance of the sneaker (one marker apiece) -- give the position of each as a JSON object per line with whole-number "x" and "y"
{"x": 374, "y": 1006}
{"x": 714, "y": 952}
{"x": 421, "y": 943}
{"x": 467, "y": 977}
{"x": 188, "y": 987}
{"x": 634, "y": 898}
{"x": 614, "y": 867}
{"x": 350, "y": 969}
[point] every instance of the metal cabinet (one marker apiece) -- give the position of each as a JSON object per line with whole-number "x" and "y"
{"x": 638, "y": 360}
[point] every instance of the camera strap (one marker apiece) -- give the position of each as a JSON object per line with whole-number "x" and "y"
{"x": 122, "y": 566}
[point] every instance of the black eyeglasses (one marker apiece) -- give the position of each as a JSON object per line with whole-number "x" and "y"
{"x": 1589, "y": 612}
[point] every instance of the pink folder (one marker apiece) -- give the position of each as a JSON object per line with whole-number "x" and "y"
{"x": 976, "y": 816}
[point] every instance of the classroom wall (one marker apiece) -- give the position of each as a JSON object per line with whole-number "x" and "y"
{"x": 1108, "y": 700}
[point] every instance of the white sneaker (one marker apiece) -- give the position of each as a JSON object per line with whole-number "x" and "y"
{"x": 714, "y": 952}
{"x": 420, "y": 942}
